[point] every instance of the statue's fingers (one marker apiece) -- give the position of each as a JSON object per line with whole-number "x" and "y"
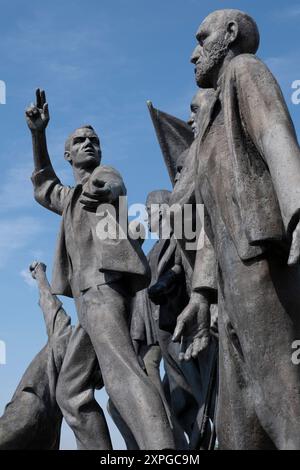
{"x": 88, "y": 203}
{"x": 43, "y": 98}
{"x": 178, "y": 330}
{"x": 99, "y": 192}
{"x": 29, "y": 110}
{"x": 38, "y": 98}
{"x": 102, "y": 192}
{"x": 182, "y": 348}
{"x": 99, "y": 183}
{"x": 89, "y": 195}
{"x": 188, "y": 353}
{"x": 90, "y": 209}
{"x": 199, "y": 344}
{"x": 181, "y": 356}
{"x": 33, "y": 266}
{"x": 46, "y": 110}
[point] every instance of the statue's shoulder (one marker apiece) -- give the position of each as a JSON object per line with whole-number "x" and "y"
{"x": 244, "y": 61}
{"x": 106, "y": 170}
{"x": 247, "y": 66}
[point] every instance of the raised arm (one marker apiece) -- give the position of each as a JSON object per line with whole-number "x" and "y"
{"x": 55, "y": 317}
{"x": 48, "y": 190}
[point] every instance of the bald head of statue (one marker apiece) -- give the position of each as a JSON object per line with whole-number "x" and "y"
{"x": 223, "y": 35}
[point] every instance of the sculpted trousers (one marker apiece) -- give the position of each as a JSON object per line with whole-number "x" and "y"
{"x": 181, "y": 378}
{"x": 103, "y": 327}
{"x": 151, "y": 356}
{"x": 259, "y": 319}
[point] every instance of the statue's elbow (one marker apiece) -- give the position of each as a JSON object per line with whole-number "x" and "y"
{"x": 38, "y": 197}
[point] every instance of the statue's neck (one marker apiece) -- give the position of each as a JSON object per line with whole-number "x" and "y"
{"x": 81, "y": 175}
{"x": 221, "y": 71}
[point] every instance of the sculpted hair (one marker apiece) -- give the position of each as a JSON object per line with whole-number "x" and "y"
{"x": 68, "y": 141}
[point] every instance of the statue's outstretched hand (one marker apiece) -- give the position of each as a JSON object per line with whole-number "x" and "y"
{"x": 193, "y": 327}
{"x": 100, "y": 192}
{"x": 37, "y": 115}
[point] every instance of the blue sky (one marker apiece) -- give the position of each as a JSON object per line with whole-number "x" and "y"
{"x": 99, "y": 61}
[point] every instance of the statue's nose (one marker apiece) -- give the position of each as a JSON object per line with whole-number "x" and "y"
{"x": 87, "y": 142}
{"x": 195, "y": 55}
{"x": 191, "y": 121}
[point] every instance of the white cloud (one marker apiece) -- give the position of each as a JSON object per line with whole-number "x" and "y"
{"x": 16, "y": 234}
{"x": 28, "y": 279}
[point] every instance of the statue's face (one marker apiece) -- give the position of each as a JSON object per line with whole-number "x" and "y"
{"x": 199, "y": 107}
{"x": 154, "y": 216}
{"x": 195, "y": 108}
{"x": 212, "y": 49}
{"x": 85, "y": 149}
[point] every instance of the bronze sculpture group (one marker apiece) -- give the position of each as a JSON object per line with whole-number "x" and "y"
{"x": 222, "y": 317}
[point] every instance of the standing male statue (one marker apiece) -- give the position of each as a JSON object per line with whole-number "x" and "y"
{"x": 248, "y": 177}
{"x": 99, "y": 274}
{"x": 199, "y": 373}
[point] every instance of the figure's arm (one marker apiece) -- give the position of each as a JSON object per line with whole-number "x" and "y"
{"x": 48, "y": 190}
{"x": 205, "y": 271}
{"x": 268, "y": 123}
{"x": 193, "y": 324}
{"x": 56, "y": 320}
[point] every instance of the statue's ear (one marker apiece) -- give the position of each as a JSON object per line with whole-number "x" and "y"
{"x": 67, "y": 156}
{"x": 232, "y": 31}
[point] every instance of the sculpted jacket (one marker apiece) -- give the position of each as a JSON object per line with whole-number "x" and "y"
{"x": 82, "y": 259}
{"x": 264, "y": 206}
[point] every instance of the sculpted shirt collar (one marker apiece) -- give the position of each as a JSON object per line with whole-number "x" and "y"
{"x": 82, "y": 184}
{"x": 84, "y": 180}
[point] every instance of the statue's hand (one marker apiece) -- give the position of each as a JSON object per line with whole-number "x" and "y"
{"x": 99, "y": 192}
{"x": 36, "y": 268}
{"x": 37, "y": 115}
{"x": 157, "y": 293}
{"x": 193, "y": 327}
